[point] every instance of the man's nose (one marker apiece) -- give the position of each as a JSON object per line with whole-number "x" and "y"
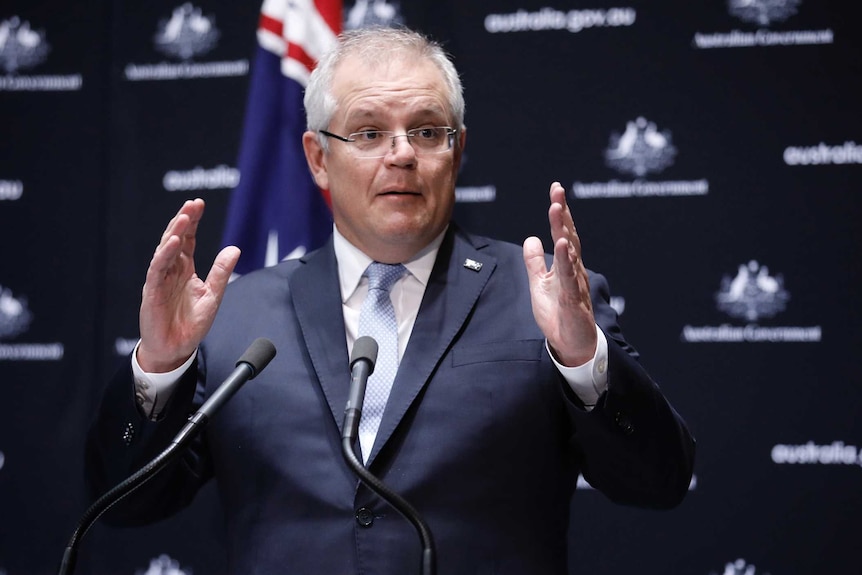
{"x": 406, "y": 137}
{"x": 402, "y": 148}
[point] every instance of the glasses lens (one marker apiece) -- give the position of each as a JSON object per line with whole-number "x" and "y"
{"x": 370, "y": 143}
{"x": 377, "y": 143}
{"x": 428, "y": 139}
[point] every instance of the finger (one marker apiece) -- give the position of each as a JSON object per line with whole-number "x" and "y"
{"x": 559, "y": 215}
{"x": 534, "y": 258}
{"x": 182, "y": 213}
{"x": 566, "y": 262}
{"x": 186, "y": 220}
{"x": 558, "y": 196}
{"x": 572, "y": 275}
{"x": 221, "y": 270}
{"x": 557, "y": 221}
{"x": 561, "y": 229}
{"x": 194, "y": 209}
{"x": 164, "y": 258}
{"x": 560, "y": 218}
{"x": 166, "y": 271}
{"x": 180, "y": 238}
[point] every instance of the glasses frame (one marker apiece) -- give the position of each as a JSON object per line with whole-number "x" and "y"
{"x": 450, "y": 133}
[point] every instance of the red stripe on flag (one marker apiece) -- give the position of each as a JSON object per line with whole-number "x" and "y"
{"x": 270, "y": 24}
{"x": 295, "y": 52}
{"x": 330, "y": 11}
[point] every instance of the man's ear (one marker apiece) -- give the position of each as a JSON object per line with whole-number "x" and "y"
{"x": 315, "y": 156}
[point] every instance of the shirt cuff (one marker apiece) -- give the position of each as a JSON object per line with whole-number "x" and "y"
{"x": 153, "y": 390}
{"x": 589, "y": 380}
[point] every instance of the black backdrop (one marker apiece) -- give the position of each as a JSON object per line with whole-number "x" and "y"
{"x": 710, "y": 154}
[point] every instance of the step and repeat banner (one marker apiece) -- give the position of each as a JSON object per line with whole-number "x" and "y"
{"x": 710, "y": 154}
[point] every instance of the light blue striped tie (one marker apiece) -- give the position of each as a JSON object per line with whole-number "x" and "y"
{"x": 377, "y": 319}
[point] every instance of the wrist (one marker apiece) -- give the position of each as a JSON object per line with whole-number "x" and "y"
{"x": 576, "y": 359}
{"x": 157, "y": 363}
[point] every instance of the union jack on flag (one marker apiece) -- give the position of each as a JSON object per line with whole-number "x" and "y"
{"x": 277, "y": 211}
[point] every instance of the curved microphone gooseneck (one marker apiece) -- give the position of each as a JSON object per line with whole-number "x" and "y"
{"x": 256, "y": 357}
{"x": 362, "y": 361}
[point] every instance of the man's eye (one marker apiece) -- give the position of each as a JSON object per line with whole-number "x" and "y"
{"x": 367, "y": 136}
{"x": 427, "y": 133}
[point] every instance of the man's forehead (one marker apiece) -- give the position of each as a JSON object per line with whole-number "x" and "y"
{"x": 354, "y": 72}
{"x": 418, "y": 107}
{"x": 366, "y": 90}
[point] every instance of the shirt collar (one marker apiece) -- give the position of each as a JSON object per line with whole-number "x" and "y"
{"x": 352, "y": 262}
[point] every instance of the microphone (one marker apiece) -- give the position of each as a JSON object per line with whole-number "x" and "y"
{"x": 362, "y": 361}
{"x": 248, "y": 366}
{"x": 256, "y": 357}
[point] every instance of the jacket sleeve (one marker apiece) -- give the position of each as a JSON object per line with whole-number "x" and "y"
{"x": 121, "y": 441}
{"x": 635, "y": 448}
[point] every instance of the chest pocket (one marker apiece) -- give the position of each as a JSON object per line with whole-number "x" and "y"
{"x": 520, "y": 350}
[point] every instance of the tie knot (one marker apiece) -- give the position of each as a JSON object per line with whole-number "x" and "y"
{"x": 383, "y": 276}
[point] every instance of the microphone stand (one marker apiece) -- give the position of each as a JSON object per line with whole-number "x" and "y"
{"x": 116, "y": 494}
{"x": 362, "y": 362}
{"x": 429, "y": 566}
{"x": 257, "y": 356}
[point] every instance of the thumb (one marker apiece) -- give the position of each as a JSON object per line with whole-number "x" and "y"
{"x": 534, "y": 258}
{"x": 222, "y": 268}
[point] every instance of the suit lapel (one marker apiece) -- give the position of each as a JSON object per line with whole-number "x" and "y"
{"x": 317, "y": 300}
{"x": 452, "y": 292}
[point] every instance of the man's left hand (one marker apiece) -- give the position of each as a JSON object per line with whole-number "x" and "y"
{"x": 561, "y": 296}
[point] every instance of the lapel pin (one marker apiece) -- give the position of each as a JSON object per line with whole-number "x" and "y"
{"x": 472, "y": 265}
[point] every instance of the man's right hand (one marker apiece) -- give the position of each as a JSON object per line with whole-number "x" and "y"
{"x": 177, "y": 307}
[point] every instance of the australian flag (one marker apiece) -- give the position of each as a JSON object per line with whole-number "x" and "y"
{"x": 277, "y": 211}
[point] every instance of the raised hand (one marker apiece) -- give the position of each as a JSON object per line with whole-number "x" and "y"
{"x": 177, "y": 306}
{"x": 561, "y": 296}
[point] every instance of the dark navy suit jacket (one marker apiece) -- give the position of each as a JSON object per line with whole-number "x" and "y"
{"x": 481, "y": 434}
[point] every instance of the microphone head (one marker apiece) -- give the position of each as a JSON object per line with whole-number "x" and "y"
{"x": 258, "y": 355}
{"x": 364, "y": 348}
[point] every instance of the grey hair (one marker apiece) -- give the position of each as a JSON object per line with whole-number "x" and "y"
{"x": 376, "y": 44}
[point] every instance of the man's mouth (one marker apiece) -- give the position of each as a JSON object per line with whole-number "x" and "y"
{"x": 399, "y": 193}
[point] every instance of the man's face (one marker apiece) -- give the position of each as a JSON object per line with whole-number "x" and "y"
{"x": 389, "y": 207}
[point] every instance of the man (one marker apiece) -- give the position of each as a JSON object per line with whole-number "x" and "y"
{"x": 512, "y": 377}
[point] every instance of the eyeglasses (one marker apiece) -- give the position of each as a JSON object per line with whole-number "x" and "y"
{"x": 378, "y": 143}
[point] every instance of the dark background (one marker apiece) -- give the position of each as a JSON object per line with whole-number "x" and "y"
{"x": 542, "y": 105}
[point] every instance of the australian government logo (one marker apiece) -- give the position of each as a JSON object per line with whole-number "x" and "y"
{"x": 739, "y": 567}
{"x": 15, "y": 320}
{"x": 367, "y": 13}
{"x": 750, "y": 295}
{"x": 163, "y": 565}
{"x": 23, "y": 48}
{"x": 639, "y": 151}
{"x": 763, "y": 14}
{"x": 187, "y": 34}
